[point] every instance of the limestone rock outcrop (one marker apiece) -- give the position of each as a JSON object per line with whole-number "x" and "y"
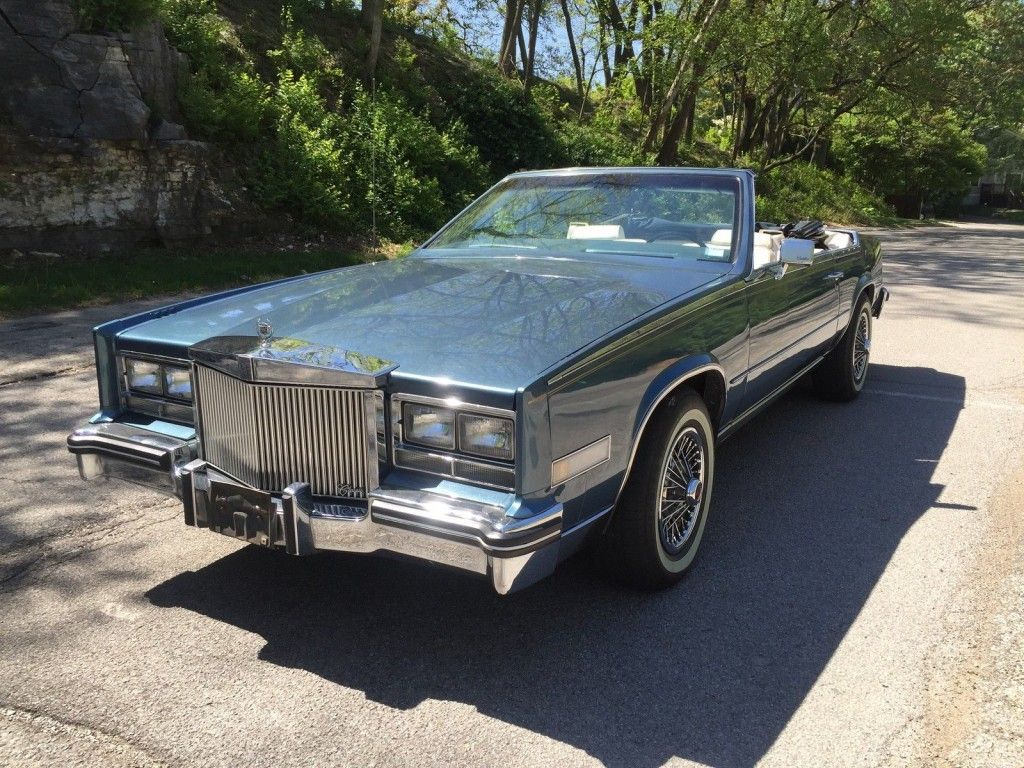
{"x": 93, "y": 154}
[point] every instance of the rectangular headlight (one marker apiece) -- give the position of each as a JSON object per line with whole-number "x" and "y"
{"x": 487, "y": 436}
{"x": 177, "y": 382}
{"x": 143, "y": 376}
{"x": 428, "y": 425}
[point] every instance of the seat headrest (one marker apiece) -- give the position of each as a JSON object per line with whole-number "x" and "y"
{"x": 721, "y": 237}
{"x": 837, "y": 240}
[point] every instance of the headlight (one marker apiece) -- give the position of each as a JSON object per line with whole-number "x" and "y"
{"x": 486, "y": 436}
{"x": 149, "y": 377}
{"x": 428, "y": 425}
{"x": 144, "y": 376}
{"x": 178, "y": 382}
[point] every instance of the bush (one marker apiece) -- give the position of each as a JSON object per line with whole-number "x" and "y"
{"x": 336, "y": 168}
{"x": 224, "y": 99}
{"x": 804, "y": 191}
{"x": 911, "y": 157}
{"x": 113, "y": 15}
{"x": 510, "y": 131}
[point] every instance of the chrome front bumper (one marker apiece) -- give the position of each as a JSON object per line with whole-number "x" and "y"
{"x": 513, "y": 545}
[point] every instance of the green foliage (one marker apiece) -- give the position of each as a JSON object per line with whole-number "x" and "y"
{"x": 113, "y": 15}
{"x": 303, "y": 53}
{"x": 334, "y": 167}
{"x": 803, "y": 191}
{"x": 910, "y": 157}
{"x": 224, "y": 99}
{"x": 509, "y": 130}
{"x": 441, "y": 126}
{"x": 316, "y": 146}
{"x": 40, "y": 285}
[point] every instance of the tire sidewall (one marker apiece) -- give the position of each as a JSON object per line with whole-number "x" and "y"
{"x": 676, "y": 564}
{"x": 863, "y": 309}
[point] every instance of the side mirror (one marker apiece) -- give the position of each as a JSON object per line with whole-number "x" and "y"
{"x": 793, "y": 250}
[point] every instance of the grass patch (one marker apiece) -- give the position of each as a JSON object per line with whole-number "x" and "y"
{"x": 38, "y": 283}
{"x": 1009, "y": 216}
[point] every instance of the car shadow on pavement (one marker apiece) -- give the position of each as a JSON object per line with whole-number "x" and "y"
{"x": 811, "y": 501}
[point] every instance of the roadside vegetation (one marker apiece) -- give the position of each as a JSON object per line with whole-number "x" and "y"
{"x": 850, "y": 111}
{"x": 376, "y": 123}
{"x": 42, "y": 282}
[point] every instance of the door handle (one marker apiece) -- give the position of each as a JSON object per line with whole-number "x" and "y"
{"x": 835, "y": 275}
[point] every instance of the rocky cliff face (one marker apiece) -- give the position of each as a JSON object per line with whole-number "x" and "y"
{"x": 92, "y": 154}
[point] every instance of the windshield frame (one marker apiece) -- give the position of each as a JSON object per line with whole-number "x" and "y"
{"x": 739, "y": 257}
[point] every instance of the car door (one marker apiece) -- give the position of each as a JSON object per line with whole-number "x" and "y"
{"x": 793, "y": 319}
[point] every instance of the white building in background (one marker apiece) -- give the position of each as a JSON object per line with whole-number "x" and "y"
{"x": 1004, "y": 189}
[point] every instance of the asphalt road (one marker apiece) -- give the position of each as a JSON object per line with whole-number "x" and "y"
{"x": 859, "y": 599}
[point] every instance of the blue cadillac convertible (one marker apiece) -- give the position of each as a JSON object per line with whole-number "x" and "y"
{"x": 550, "y": 371}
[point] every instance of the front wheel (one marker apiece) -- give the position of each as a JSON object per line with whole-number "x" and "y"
{"x": 841, "y": 375}
{"x": 659, "y": 521}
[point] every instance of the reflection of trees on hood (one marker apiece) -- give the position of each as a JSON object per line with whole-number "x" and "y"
{"x": 492, "y": 317}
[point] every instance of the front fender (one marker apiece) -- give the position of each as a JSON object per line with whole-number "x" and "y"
{"x": 667, "y": 382}
{"x": 660, "y": 389}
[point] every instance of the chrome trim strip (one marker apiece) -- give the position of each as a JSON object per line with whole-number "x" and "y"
{"x": 510, "y": 535}
{"x": 589, "y": 521}
{"x": 753, "y": 410}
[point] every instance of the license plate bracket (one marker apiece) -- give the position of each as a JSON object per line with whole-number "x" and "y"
{"x": 242, "y": 512}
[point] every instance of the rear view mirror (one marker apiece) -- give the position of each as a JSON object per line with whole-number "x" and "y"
{"x": 796, "y": 251}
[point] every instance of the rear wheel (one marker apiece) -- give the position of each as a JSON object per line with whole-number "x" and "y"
{"x": 659, "y": 521}
{"x": 841, "y": 375}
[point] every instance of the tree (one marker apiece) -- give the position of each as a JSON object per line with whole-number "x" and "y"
{"x": 910, "y": 155}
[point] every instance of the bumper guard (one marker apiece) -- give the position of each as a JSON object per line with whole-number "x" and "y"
{"x": 513, "y": 545}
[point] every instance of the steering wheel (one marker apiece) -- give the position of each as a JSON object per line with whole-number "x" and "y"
{"x": 671, "y": 235}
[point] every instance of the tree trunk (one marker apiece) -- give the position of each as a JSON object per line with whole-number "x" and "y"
{"x": 522, "y": 46}
{"x": 509, "y": 35}
{"x": 531, "y": 48}
{"x": 576, "y": 64}
{"x": 603, "y": 47}
{"x": 686, "y": 58}
{"x": 373, "y": 21}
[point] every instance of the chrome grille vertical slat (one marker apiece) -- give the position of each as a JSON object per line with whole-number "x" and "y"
{"x": 271, "y": 435}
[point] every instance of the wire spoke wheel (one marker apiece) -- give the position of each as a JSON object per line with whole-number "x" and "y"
{"x": 682, "y": 489}
{"x": 861, "y": 346}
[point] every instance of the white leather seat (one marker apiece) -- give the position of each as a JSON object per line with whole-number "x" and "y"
{"x": 766, "y": 246}
{"x": 596, "y": 232}
{"x": 766, "y": 249}
{"x": 721, "y": 237}
{"x": 837, "y": 240}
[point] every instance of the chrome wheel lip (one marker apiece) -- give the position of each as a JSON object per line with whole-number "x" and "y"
{"x": 861, "y": 346}
{"x": 683, "y": 480}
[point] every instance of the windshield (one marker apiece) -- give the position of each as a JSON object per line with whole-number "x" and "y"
{"x": 660, "y": 215}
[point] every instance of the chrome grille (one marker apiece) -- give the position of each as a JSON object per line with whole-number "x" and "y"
{"x": 272, "y": 435}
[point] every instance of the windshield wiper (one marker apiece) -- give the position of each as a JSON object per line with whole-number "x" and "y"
{"x": 501, "y": 245}
{"x": 492, "y": 231}
{"x": 614, "y": 252}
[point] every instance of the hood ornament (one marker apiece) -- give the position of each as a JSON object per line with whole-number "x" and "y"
{"x": 265, "y": 331}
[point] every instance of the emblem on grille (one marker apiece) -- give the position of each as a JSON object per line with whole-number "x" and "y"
{"x": 265, "y": 331}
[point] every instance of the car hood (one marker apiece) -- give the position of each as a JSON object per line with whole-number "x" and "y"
{"x": 492, "y": 322}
